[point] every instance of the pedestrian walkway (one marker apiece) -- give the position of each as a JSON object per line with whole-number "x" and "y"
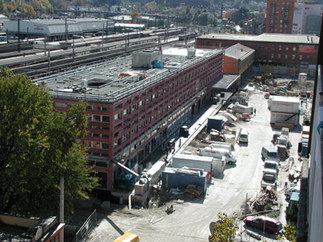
{"x": 197, "y": 126}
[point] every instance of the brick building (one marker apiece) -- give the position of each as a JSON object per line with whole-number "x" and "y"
{"x": 279, "y": 18}
{"x": 134, "y": 108}
{"x": 238, "y": 60}
{"x": 276, "y": 53}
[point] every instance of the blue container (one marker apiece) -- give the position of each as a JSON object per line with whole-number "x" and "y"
{"x": 215, "y": 123}
{"x": 304, "y": 149}
{"x": 177, "y": 178}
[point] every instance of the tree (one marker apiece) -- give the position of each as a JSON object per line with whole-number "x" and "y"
{"x": 134, "y": 16}
{"x": 223, "y": 230}
{"x": 37, "y": 146}
{"x": 3, "y": 7}
{"x": 290, "y": 233}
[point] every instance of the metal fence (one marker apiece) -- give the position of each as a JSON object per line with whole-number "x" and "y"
{"x": 86, "y": 228}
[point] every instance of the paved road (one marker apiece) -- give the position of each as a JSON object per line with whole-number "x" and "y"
{"x": 190, "y": 221}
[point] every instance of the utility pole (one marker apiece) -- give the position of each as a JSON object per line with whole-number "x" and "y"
{"x": 66, "y": 30}
{"x": 18, "y": 22}
{"x": 48, "y": 60}
{"x": 61, "y": 206}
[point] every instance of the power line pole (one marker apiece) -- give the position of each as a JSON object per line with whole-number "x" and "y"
{"x": 66, "y": 30}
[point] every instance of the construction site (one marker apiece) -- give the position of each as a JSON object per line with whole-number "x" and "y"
{"x": 242, "y": 156}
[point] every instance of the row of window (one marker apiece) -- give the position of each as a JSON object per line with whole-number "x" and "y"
{"x": 97, "y": 145}
{"x": 280, "y": 56}
{"x": 98, "y": 108}
{"x": 98, "y": 118}
{"x": 280, "y": 47}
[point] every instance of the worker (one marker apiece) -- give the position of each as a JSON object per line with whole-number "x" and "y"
{"x": 179, "y": 143}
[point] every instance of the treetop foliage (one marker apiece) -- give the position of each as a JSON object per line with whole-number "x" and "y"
{"x": 37, "y": 146}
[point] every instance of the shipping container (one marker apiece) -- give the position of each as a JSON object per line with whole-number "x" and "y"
{"x": 283, "y": 104}
{"x": 288, "y": 118}
{"x": 216, "y": 122}
{"x": 193, "y": 161}
{"x": 180, "y": 178}
{"x": 214, "y": 166}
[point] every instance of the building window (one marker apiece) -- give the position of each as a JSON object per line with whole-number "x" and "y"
{"x": 286, "y": 56}
{"x": 105, "y": 119}
{"x": 278, "y": 56}
{"x": 117, "y": 116}
{"x": 287, "y": 48}
{"x": 279, "y": 47}
{"x": 97, "y": 118}
{"x": 300, "y": 57}
{"x": 294, "y": 48}
{"x": 293, "y": 57}
{"x": 272, "y": 56}
{"x": 105, "y": 146}
{"x": 272, "y": 47}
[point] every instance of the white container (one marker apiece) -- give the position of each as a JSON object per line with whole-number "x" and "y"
{"x": 193, "y": 161}
{"x": 288, "y": 118}
{"x": 283, "y": 104}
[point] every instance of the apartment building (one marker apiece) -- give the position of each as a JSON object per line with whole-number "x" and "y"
{"x": 279, "y": 18}
{"x": 136, "y": 103}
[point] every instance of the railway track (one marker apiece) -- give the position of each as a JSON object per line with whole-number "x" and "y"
{"x": 48, "y": 66}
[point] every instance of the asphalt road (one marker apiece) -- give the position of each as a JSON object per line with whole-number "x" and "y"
{"x": 227, "y": 194}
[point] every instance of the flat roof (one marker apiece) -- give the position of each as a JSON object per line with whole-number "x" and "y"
{"x": 114, "y": 80}
{"x": 274, "y": 38}
{"x": 62, "y": 21}
{"x": 284, "y": 99}
{"x": 238, "y": 51}
{"x": 225, "y": 82}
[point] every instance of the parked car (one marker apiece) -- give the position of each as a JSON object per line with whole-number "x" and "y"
{"x": 269, "y": 152}
{"x": 269, "y": 224}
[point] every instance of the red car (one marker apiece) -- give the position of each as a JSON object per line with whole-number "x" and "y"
{"x": 270, "y": 225}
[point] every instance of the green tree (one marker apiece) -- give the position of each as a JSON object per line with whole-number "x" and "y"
{"x": 42, "y": 5}
{"x": 3, "y": 7}
{"x": 37, "y": 146}
{"x": 224, "y": 229}
{"x": 290, "y": 233}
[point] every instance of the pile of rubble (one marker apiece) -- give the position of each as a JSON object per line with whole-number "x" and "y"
{"x": 266, "y": 197}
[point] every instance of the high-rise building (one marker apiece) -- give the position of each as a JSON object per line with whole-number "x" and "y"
{"x": 307, "y": 18}
{"x": 279, "y": 17}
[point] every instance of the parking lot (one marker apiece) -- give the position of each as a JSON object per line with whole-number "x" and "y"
{"x": 228, "y": 194}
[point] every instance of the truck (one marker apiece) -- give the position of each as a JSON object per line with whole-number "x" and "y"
{"x": 213, "y": 166}
{"x": 219, "y": 153}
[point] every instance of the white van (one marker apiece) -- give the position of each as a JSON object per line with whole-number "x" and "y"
{"x": 219, "y": 153}
{"x": 243, "y": 136}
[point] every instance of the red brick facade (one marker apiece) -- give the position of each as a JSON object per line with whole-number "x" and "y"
{"x": 279, "y": 18}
